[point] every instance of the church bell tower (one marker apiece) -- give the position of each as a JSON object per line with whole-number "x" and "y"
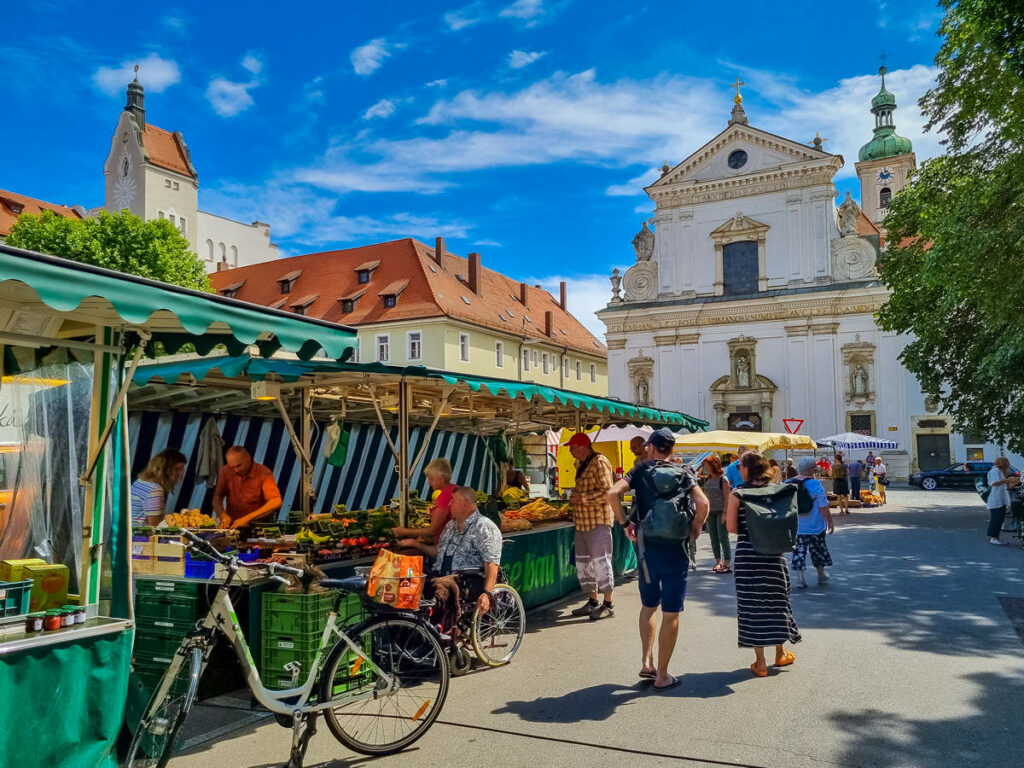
{"x": 886, "y": 161}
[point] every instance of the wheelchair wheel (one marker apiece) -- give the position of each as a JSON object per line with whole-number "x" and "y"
{"x": 497, "y": 634}
{"x": 459, "y": 660}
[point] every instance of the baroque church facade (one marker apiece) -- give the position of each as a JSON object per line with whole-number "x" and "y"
{"x": 149, "y": 172}
{"x": 753, "y": 298}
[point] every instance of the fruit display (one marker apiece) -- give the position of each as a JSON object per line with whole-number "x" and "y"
{"x": 190, "y": 518}
{"x": 867, "y": 497}
{"x": 513, "y": 497}
{"x": 482, "y": 498}
{"x": 540, "y": 510}
{"x": 511, "y": 521}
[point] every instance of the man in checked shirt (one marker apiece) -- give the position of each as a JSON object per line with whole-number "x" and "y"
{"x": 593, "y": 516}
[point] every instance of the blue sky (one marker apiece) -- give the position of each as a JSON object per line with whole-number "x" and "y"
{"x": 522, "y": 129}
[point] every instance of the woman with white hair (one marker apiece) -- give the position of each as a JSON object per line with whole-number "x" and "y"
{"x": 812, "y": 527}
{"x": 439, "y": 475}
{"x": 1000, "y": 481}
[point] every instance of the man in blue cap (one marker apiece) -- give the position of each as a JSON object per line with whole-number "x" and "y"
{"x": 663, "y": 563}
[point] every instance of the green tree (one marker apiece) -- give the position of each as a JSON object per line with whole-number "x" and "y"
{"x": 121, "y": 241}
{"x": 955, "y": 260}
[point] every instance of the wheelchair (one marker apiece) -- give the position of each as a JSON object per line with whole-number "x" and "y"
{"x": 493, "y": 637}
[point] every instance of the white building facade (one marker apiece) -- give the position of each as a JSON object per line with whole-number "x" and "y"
{"x": 753, "y": 299}
{"x": 149, "y": 172}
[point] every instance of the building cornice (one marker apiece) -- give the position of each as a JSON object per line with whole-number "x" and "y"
{"x": 777, "y": 180}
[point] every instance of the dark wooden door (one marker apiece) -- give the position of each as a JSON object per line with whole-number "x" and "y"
{"x": 932, "y": 452}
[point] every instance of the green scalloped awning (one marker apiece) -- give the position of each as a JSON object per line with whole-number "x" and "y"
{"x": 174, "y": 315}
{"x": 293, "y": 370}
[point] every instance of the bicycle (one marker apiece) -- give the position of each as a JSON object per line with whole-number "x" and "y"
{"x": 380, "y": 686}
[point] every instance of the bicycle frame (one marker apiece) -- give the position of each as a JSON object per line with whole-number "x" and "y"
{"x": 222, "y": 618}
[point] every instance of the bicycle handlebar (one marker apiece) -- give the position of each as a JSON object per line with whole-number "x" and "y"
{"x": 271, "y": 568}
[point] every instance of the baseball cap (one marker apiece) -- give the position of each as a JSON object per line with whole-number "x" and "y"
{"x": 662, "y": 439}
{"x": 578, "y": 439}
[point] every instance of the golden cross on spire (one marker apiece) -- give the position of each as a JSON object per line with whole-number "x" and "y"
{"x": 738, "y": 99}
{"x": 817, "y": 141}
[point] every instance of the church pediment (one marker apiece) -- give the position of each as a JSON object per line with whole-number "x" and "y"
{"x": 742, "y": 151}
{"x": 738, "y": 225}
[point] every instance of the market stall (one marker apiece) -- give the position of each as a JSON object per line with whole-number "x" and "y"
{"x": 726, "y": 440}
{"x": 71, "y": 337}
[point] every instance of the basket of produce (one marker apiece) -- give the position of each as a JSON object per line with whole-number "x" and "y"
{"x": 540, "y": 511}
{"x": 190, "y": 518}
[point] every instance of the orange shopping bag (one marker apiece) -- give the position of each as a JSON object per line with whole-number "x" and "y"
{"x": 396, "y": 580}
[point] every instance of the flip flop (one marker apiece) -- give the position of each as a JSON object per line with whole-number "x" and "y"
{"x": 675, "y": 681}
{"x": 758, "y": 672}
{"x": 788, "y": 659}
{"x": 647, "y": 675}
{"x": 726, "y": 570}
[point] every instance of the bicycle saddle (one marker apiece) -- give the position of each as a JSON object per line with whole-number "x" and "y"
{"x": 348, "y": 584}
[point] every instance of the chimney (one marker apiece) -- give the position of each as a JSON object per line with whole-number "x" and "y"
{"x": 474, "y": 274}
{"x": 439, "y": 250}
{"x": 561, "y": 294}
{"x": 222, "y": 265}
{"x": 549, "y": 317}
{"x": 524, "y": 291}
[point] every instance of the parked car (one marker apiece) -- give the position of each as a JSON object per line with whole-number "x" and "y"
{"x": 962, "y": 475}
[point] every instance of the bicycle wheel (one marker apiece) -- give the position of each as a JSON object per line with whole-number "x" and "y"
{"x": 497, "y": 634}
{"x": 153, "y": 741}
{"x": 392, "y": 718}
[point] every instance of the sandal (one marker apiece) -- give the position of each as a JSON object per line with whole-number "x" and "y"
{"x": 675, "y": 681}
{"x": 788, "y": 659}
{"x": 758, "y": 672}
{"x": 726, "y": 569}
{"x": 645, "y": 675}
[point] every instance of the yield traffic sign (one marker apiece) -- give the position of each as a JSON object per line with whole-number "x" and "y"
{"x": 792, "y": 425}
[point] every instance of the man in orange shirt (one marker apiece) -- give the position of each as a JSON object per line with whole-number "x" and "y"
{"x": 249, "y": 487}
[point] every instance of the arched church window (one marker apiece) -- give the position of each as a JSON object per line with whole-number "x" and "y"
{"x": 884, "y": 197}
{"x": 739, "y": 268}
{"x": 234, "y": 256}
{"x": 223, "y": 252}
{"x": 209, "y": 248}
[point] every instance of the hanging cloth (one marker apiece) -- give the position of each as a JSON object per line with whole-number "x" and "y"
{"x": 210, "y": 458}
{"x": 336, "y": 444}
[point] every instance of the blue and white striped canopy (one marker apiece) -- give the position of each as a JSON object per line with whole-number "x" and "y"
{"x": 851, "y": 441}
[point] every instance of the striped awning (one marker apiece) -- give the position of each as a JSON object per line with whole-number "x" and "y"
{"x": 852, "y": 441}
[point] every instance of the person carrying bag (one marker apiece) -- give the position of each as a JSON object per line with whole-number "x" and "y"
{"x": 771, "y": 514}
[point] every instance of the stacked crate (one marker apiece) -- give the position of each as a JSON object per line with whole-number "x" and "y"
{"x": 293, "y": 625}
{"x": 164, "y": 612}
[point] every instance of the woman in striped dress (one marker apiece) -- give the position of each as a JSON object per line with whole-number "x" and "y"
{"x": 763, "y": 612}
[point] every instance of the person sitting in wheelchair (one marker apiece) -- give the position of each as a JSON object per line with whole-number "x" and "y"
{"x": 466, "y": 559}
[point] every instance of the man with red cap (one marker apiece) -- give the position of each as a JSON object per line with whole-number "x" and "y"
{"x": 593, "y": 516}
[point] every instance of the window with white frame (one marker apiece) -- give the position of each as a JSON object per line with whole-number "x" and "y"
{"x": 464, "y": 347}
{"x": 535, "y": 363}
{"x": 544, "y": 362}
{"x": 181, "y": 225}
{"x": 414, "y": 345}
{"x": 526, "y": 359}
{"x": 383, "y": 344}
{"x": 579, "y": 371}
{"x": 355, "y": 355}
{"x": 593, "y": 373}
{"x": 499, "y": 354}
{"x": 565, "y": 366}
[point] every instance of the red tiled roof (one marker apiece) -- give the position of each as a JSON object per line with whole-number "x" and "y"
{"x": 367, "y": 265}
{"x": 166, "y": 151}
{"x": 12, "y": 205}
{"x": 432, "y": 291}
{"x": 866, "y": 226}
{"x": 394, "y": 289}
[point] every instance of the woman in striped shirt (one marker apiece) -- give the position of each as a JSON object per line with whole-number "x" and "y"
{"x": 150, "y": 491}
{"x": 763, "y": 612}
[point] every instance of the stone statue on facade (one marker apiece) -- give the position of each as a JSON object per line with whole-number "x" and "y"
{"x": 848, "y": 214}
{"x": 643, "y": 244}
{"x": 742, "y": 371}
{"x": 616, "y": 280}
{"x": 860, "y": 381}
{"x": 642, "y": 392}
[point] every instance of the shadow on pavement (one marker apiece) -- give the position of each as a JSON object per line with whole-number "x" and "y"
{"x": 986, "y": 738}
{"x": 598, "y": 702}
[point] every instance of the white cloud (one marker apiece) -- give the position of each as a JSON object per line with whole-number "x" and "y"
{"x": 229, "y": 98}
{"x": 252, "y": 64}
{"x": 367, "y": 59}
{"x": 519, "y": 59}
{"x": 488, "y": 244}
{"x": 174, "y": 22}
{"x": 635, "y": 185}
{"x": 523, "y": 9}
{"x": 467, "y": 16}
{"x": 383, "y": 108}
{"x": 440, "y": 83}
{"x": 585, "y": 294}
{"x": 155, "y": 73}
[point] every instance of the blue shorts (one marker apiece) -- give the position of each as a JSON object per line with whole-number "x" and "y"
{"x": 663, "y": 576}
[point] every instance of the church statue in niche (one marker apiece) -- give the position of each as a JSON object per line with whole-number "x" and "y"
{"x": 860, "y": 381}
{"x": 641, "y": 374}
{"x": 643, "y": 244}
{"x": 643, "y": 392}
{"x": 742, "y": 371}
{"x": 848, "y": 214}
{"x": 859, "y": 361}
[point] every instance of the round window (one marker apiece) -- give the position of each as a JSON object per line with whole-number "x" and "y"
{"x": 737, "y": 159}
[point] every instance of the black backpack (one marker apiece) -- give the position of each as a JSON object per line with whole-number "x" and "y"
{"x": 771, "y": 516}
{"x": 804, "y": 500}
{"x": 671, "y": 513}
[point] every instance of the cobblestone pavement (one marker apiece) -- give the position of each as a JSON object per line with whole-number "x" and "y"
{"x": 909, "y": 658}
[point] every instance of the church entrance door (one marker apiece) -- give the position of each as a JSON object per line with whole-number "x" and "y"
{"x": 740, "y": 268}
{"x": 932, "y": 452}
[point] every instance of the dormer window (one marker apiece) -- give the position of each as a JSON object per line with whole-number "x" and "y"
{"x": 348, "y": 303}
{"x": 14, "y": 205}
{"x": 231, "y": 290}
{"x": 392, "y": 291}
{"x": 287, "y": 282}
{"x": 364, "y": 272}
{"x": 301, "y": 307}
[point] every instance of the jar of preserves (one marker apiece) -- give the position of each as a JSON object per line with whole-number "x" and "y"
{"x": 34, "y": 623}
{"x": 80, "y": 615}
{"x": 52, "y": 620}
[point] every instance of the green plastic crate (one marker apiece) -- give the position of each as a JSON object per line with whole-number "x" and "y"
{"x": 14, "y": 597}
{"x": 155, "y": 586}
{"x": 155, "y": 648}
{"x": 298, "y": 618}
{"x": 272, "y": 664}
{"x": 176, "y": 608}
{"x": 165, "y": 627}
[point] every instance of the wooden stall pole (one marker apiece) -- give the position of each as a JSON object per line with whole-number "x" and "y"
{"x": 308, "y": 493}
{"x": 403, "y": 449}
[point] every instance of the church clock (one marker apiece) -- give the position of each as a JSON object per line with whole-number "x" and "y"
{"x": 885, "y": 176}
{"x": 124, "y": 187}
